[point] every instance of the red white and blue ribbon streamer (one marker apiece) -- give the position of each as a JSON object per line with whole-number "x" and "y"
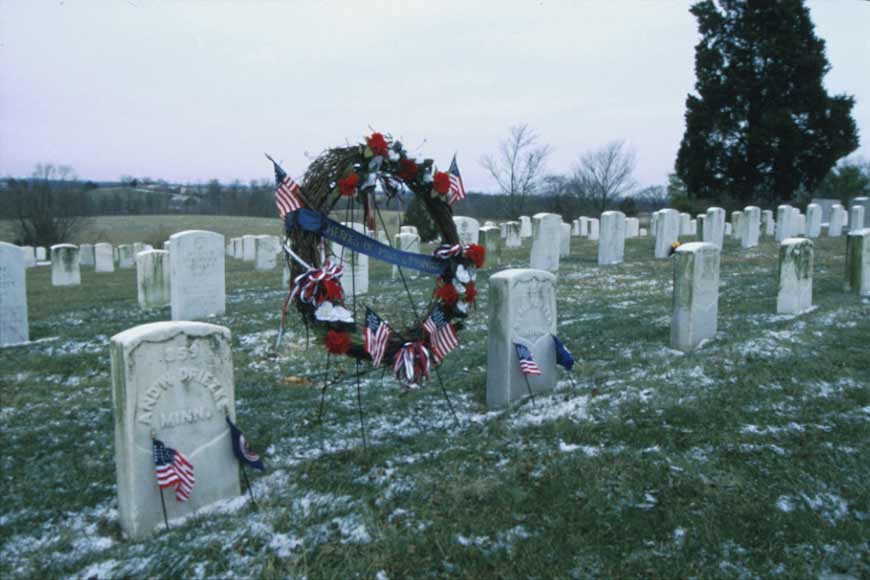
{"x": 411, "y": 364}
{"x": 306, "y": 285}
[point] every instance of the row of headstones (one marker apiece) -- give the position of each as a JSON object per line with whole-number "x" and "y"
{"x": 174, "y": 380}
{"x": 523, "y": 306}
{"x": 190, "y": 279}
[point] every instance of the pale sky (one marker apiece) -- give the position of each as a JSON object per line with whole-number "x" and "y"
{"x": 188, "y": 91}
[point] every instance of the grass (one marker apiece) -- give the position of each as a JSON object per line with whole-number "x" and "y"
{"x": 747, "y": 458}
{"x": 155, "y": 229}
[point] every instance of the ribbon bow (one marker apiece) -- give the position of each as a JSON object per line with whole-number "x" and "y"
{"x": 307, "y": 285}
{"x": 446, "y": 251}
{"x": 411, "y": 364}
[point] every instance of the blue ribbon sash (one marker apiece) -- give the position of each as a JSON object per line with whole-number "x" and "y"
{"x": 312, "y": 221}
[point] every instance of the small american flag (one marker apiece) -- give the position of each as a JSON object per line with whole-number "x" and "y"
{"x": 286, "y": 196}
{"x": 457, "y": 189}
{"x": 173, "y": 470}
{"x": 442, "y": 335}
{"x": 527, "y": 364}
{"x": 376, "y": 334}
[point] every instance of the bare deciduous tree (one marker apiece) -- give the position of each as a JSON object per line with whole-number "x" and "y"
{"x": 518, "y": 166}
{"x": 44, "y": 206}
{"x": 603, "y": 175}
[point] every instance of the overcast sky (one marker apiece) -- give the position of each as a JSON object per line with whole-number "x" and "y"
{"x": 188, "y": 91}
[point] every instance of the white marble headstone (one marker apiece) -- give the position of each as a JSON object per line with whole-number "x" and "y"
{"x": 14, "y": 326}
{"x": 266, "y": 249}
{"x": 546, "y": 242}
{"x": 525, "y": 226}
{"x": 355, "y": 279}
{"x": 750, "y": 227}
{"x": 126, "y": 258}
{"x": 611, "y": 245}
{"x": 795, "y": 276}
{"x": 104, "y": 259}
{"x": 667, "y": 231}
{"x": 172, "y": 381}
{"x": 858, "y": 262}
{"x": 696, "y": 295}
{"x": 714, "y": 226}
{"x": 522, "y": 308}
{"x": 512, "y": 235}
{"x": 86, "y": 254}
{"x": 65, "y": 269}
{"x": 468, "y": 229}
{"x": 153, "y": 279}
{"x": 197, "y": 266}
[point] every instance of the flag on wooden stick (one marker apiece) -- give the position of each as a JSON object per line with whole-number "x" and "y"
{"x": 173, "y": 470}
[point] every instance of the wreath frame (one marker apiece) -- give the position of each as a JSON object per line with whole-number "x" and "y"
{"x": 354, "y": 172}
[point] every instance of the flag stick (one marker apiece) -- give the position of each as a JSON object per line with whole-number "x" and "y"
{"x": 163, "y": 505}
{"x": 529, "y": 386}
{"x": 417, "y": 317}
{"x": 248, "y": 485}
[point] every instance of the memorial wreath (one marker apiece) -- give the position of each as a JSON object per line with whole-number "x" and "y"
{"x": 358, "y": 173}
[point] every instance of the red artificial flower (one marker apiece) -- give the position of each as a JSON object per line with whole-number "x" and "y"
{"x": 442, "y": 182}
{"x": 377, "y": 144}
{"x": 347, "y": 186}
{"x": 447, "y": 294}
{"x": 337, "y": 342}
{"x": 470, "y": 292}
{"x": 407, "y": 169}
{"x": 477, "y": 254}
{"x": 331, "y": 291}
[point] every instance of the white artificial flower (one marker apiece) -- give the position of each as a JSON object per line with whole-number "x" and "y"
{"x": 462, "y": 274}
{"x": 427, "y": 178}
{"x": 371, "y": 180}
{"x": 462, "y": 306}
{"x": 473, "y": 273}
{"x": 329, "y": 312}
{"x": 459, "y": 287}
{"x": 393, "y": 155}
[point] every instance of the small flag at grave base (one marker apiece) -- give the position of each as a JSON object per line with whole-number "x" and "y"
{"x": 528, "y": 366}
{"x": 242, "y": 448}
{"x": 173, "y": 470}
{"x": 563, "y": 355}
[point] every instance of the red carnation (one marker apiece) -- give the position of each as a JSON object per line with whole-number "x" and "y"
{"x": 337, "y": 342}
{"x": 442, "y": 182}
{"x": 407, "y": 169}
{"x": 470, "y": 292}
{"x": 331, "y": 291}
{"x": 377, "y": 144}
{"x": 447, "y": 294}
{"x": 347, "y": 186}
{"x": 477, "y": 254}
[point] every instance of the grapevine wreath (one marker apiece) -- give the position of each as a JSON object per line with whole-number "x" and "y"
{"x": 354, "y": 172}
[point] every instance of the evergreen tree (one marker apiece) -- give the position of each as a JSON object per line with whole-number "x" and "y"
{"x": 762, "y": 124}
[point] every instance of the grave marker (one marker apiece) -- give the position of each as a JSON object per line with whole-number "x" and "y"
{"x": 152, "y": 279}
{"x": 611, "y": 246}
{"x": 546, "y": 242}
{"x": 65, "y": 265}
{"x": 104, "y": 259}
{"x": 795, "y": 276}
{"x": 696, "y": 295}
{"x": 173, "y": 380}
{"x": 197, "y": 265}
{"x": 14, "y": 325}
{"x": 522, "y": 308}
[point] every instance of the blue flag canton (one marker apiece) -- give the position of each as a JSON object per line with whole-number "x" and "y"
{"x": 279, "y": 173}
{"x": 454, "y": 168}
{"x": 523, "y": 352}
{"x": 373, "y": 321}
{"x": 438, "y": 318}
{"x": 563, "y": 355}
{"x": 163, "y": 455}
